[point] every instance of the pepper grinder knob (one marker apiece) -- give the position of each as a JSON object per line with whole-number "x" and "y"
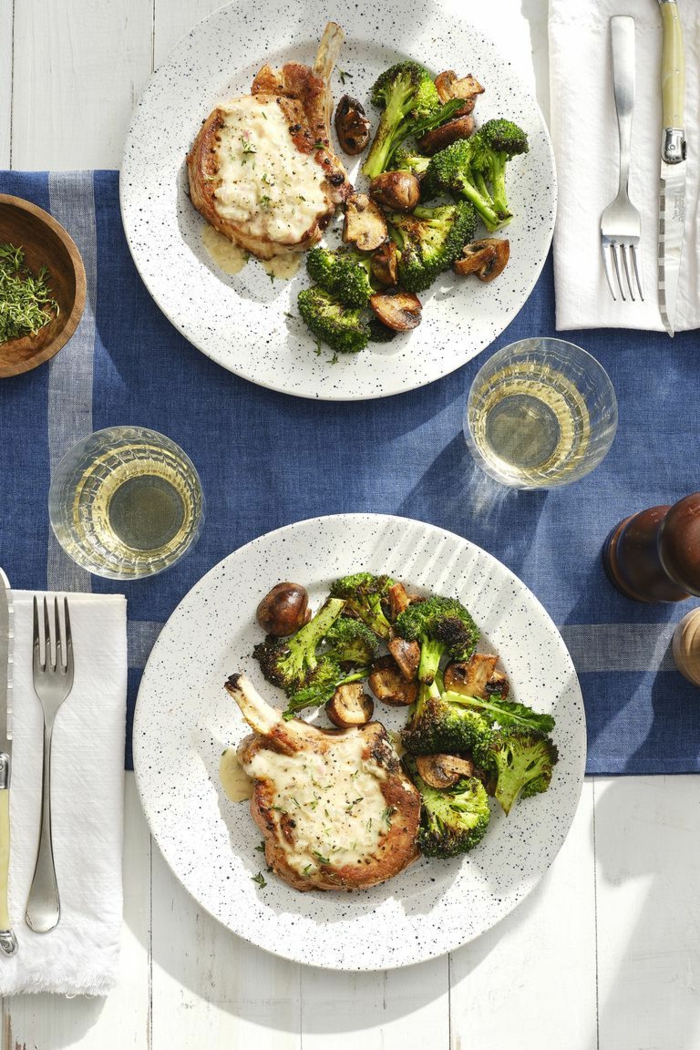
{"x": 654, "y": 556}
{"x": 686, "y": 646}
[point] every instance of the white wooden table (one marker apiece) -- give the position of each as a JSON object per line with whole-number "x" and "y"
{"x": 605, "y": 953}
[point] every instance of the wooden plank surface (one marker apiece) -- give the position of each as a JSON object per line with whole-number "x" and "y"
{"x": 603, "y": 954}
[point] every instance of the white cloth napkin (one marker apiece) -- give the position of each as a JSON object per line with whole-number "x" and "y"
{"x": 584, "y": 130}
{"x": 87, "y": 790}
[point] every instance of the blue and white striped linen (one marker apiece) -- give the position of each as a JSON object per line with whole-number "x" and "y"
{"x": 266, "y": 459}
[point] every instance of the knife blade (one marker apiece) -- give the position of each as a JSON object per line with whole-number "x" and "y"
{"x": 8, "y": 941}
{"x": 673, "y": 163}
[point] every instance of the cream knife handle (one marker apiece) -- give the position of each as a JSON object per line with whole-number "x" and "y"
{"x": 672, "y": 82}
{"x": 8, "y": 941}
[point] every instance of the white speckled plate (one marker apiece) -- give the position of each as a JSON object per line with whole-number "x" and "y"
{"x": 185, "y": 719}
{"x": 246, "y": 322}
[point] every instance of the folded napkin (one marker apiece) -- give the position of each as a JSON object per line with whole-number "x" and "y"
{"x": 584, "y": 130}
{"x": 87, "y": 788}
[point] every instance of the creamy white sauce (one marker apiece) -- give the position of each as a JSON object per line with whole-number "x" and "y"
{"x": 227, "y": 255}
{"x": 282, "y": 266}
{"x": 266, "y": 183}
{"x": 235, "y": 781}
{"x": 334, "y": 798}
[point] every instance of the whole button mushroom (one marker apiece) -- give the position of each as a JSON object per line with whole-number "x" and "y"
{"x": 352, "y": 126}
{"x": 396, "y": 190}
{"x": 284, "y": 609}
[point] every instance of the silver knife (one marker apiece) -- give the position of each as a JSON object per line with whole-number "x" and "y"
{"x": 673, "y": 163}
{"x": 8, "y": 941}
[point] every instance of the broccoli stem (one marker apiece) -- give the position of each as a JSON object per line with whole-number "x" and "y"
{"x": 498, "y": 187}
{"x": 489, "y": 216}
{"x": 317, "y": 628}
{"x": 431, "y": 651}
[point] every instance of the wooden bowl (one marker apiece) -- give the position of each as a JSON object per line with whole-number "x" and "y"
{"x": 45, "y": 242}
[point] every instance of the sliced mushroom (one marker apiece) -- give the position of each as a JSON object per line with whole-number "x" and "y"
{"x": 396, "y": 190}
{"x": 486, "y": 258}
{"x": 350, "y": 706}
{"x": 450, "y": 86}
{"x": 365, "y": 226}
{"x": 476, "y": 677}
{"x": 407, "y": 656}
{"x": 398, "y": 310}
{"x": 384, "y": 263}
{"x": 443, "y": 771}
{"x": 284, "y": 609}
{"x": 399, "y": 600}
{"x": 352, "y": 126}
{"x": 457, "y": 128}
{"x": 388, "y": 684}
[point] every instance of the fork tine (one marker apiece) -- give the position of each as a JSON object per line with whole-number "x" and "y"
{"x": 608, "y": 275}
{"x": 57, "y": 648}
{"x": 48, "y": 660}
{"x": 625, "y": 267}
{"x": 69, "y": 639}
{"x": 633, "y": 255}
{"x": 38, "y": 666}
{"x": 616, "y": 265}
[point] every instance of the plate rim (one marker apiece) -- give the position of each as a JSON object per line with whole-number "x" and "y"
{"x": 561, "y": 646}
{"x": 321, "y": 394}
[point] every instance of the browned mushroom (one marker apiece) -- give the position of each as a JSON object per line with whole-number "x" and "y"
{"x": 365, "y": 225}
{"x": 350, "y": 706}
{"x": 352, "y": 126}
{"x": 396, "y": 190}
{"x": 476, "y": 677}
{"x": 450, "y": 86}
{"x": 384, "y": 263}
{"x": 284, "y": 609}
{"x": 399, "y": 600}
{"x": 457, "y": 128}
{"x": 388, "y": 684}
{"x": 398, "y": 310}
{"x": 486, "y": 258}
{"x": 407, "y": 656}
{"x": 443, "y": 771}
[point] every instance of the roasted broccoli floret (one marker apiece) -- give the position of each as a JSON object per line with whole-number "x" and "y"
{"x": 404, "y": 159}
{"x": 340, "y": 327}
{"x": 322, "y": 685}
{"x": 348, "y": 650}
{"x": 523, "y": 761}
{"x": 429, "y": 240}
{"x": 436, "y": 726}
{"x": 380, "y": 333}
{"x": 443, "y": 627}
{"x": 343, "y": 273}
{"x": 363, "y": 595}
{"x": 505, "y": 712}
{"x": 351, "y": 641}
{"x": 453, "y": 820}
{"x": 291, "y": 662}
{"x": 494, "y": 144}
{"x": 474, "y": 169}
{"x": 410, "y": 105}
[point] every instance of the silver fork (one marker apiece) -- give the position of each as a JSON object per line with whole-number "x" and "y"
{"x": 53, "y": 681}
{"x": 620, "y": 223}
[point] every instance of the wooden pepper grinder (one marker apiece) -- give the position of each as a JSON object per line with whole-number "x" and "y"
{"x": 686, "y": 646}
{"x": 654, "y": 556}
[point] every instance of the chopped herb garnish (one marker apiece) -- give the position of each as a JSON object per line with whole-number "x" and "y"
{"x": 307, "y": 869}
{"x": 265, "y": 201}
{"x": 248, "y": 146}
{"x": 261, "y": 847}
{"x": 343, "y": 75}
{"x": 26, "y": 304}
{"x": 388, "y": 814}
{"x": 319, "y": 857}
{"x": 260, "y": 879}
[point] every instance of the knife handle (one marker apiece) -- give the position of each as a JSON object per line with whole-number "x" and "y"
{"x": 8, "y": 941}
{"x": 672, "y": 81}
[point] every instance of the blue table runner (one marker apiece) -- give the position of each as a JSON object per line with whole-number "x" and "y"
{"x": 267, "y": 459}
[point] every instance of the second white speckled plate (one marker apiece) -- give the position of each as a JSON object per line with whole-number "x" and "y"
{"x": 246, "y": 322}
{"x": 185, "y": 719}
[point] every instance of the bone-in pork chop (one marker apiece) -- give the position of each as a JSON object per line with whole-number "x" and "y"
{"x": 262, "y": 170}
{"x": 335, "y": 807}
